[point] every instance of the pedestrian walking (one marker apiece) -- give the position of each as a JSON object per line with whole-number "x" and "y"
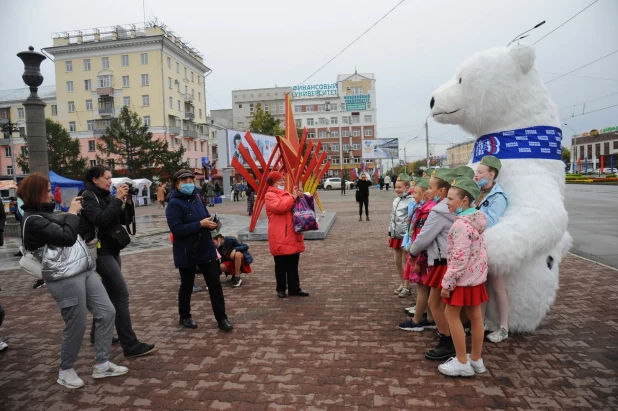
{"x": 236, "y": 190}
{"x": 381, "y": 182}
{"x": 210, "y": 194}
{"x": 161, "y": 195}
{"x": 250, "y": 199}
{"x": 387, "y": 182}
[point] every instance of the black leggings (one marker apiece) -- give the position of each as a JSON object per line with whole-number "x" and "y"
{"x": 211, "y": 275}
{"x": 361, "y": 201}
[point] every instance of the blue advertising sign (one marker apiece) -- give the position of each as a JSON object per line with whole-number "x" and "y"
{"x": 205, "y": 161}
{"x": 355, "y": 106}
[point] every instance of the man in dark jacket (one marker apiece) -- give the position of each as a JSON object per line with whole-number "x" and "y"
{"x": 362, "y": 188}
{"x": 381, "y": 182}
{"x": 233, "y": 254}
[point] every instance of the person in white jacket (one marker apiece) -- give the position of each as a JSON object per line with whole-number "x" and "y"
{"x": 398, "y": 226}
{"x": 387, "y": 182}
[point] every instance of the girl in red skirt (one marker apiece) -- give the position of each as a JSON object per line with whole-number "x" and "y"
{"x": 463, "y": 284}
{"x": 397, "y": 228}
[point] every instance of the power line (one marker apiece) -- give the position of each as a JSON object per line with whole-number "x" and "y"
{"x": 348, "y": 46}
{"x": 214, "y": 99}
{"x": 589, "y": 112}
{"x": 564, "y": 22}
{"x": 590, "y": 77}
{"x": 579, "y": 68}
{"x": 588, "y": 101}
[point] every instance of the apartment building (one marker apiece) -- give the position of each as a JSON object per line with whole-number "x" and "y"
{"x": 244, "y": 102}
{"x": 459, "y": 154}
{"x": 147, "y": 68}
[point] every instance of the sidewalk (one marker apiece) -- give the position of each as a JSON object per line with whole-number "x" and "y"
{"x": 339, "y": 349}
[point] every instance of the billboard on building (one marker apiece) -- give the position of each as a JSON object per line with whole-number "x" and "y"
{"x": 266, "y": 145}
{"x": 381, "y": 149}
{"x": 315, "y": 90}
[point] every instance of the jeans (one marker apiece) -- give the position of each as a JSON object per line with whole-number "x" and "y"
{"x": 236, "y": 196}
{"x": 211, "y": 200}
{"x": 108, "y": 267}
{"x": 363, "y": 200}
{"x": 74, "y": 297}
{"x": 286, "y": 272}
{"x": 211, "y": 274}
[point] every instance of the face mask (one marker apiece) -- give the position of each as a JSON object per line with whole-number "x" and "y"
{"x": 187, "y": 188}
{"x": 481, "y": 183}
{"x": 458, "y": 210}
{"x": 436, "y": 199}
{"x": 281, "y": 187}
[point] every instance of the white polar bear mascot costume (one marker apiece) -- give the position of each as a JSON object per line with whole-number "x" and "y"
{"x": 498, "y": 96}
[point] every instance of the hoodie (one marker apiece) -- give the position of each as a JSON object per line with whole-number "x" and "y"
{"x": 434, "y": 233}
{"x": 466, "y": 251}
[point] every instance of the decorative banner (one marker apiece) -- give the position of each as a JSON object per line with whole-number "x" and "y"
{"x": 380, "y": 149}
{"x": 355, "y": 106}
{"x": 542, "y": 142}
{"x": 265, "y": 144}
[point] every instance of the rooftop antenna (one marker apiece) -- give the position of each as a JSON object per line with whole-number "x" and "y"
{"x": 521, "y": 36}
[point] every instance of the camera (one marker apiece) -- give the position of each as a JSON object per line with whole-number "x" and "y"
{"x": 134, "y": 191}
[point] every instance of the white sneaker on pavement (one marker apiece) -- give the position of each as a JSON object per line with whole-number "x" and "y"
{"x": 404, "y": 293}
{"x": 70, "y": 379}
{"x": 398, "y": 290}
{"x": 112, "y": 370}
{"x": 3, "y": 345}
{"x": 478, "y": 366}
{"x": 411, "y": 310}
{"x": 453, "y": 368}
{"x": 498, "y": 335}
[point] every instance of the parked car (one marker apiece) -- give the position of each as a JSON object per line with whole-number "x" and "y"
{"x": 335, "y": 183}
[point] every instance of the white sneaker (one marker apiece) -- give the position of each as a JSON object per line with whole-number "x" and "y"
{"x": 70, "y": 379}
{"x": 478, "y": 366}
{"x": 452, "y": 367}
{"x": 411, "y": 310}
{"x": 498, "y": 335}
{"x": 404, "y": 293}
{"x": 3, "y": 345}
{"x": 112, "y": 370}
{"x": 398, "y": 290}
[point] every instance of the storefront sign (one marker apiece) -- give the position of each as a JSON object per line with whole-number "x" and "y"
{"x": 314, "y": 90}
{"x": 609, "y": 129}
{"x": 355, "y": 106}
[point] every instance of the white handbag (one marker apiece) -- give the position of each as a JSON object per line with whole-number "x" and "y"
{"x": 28, "y": 262}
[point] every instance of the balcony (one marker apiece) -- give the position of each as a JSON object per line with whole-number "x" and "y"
{"x": 105, "y": 91}
{"x": 187, "y": 98}
{"x": 174, "y": 130}
{"x": 189, "y": 116}
{"x": 189, "y": 133}
{"x": 106, "y": 111}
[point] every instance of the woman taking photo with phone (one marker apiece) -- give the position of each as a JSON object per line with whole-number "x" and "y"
{"x": 190, "y": 224}
{"x": 72, "y": 282}
{"x": 103, "y": 217}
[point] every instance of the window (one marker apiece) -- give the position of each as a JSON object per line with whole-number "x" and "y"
{"x": 335, "y": 160}
{"x": 169, "y": 63}
{"x": 69, "y": 86}
{"x": 91, "y": 145}
{"x": 90, "y": 127}
{"x": 356, "y": 132}
{"x": 88, "y": 85}
{"x": 72, "y": 126}
{"x": 86, "y": 64}
{"x": 333, "y": 120}
{"x": 322, "y": 107}
{"x": 23, "y": 150}
{"x": 357, "y": 90}
{"x": 192, "y": 77}
{"x": 144, "y": 58}
{"x": 7, "y": 151}
{"x": 188, "y": 149}
{"x": 71, "y": 107}
{"x": 124, "y": 60}
{"x": 88, "y": 105}
{"x": 310, "y": 108}
{"x": 356, "y": 146}
{"x": 144, "y": 79}
{"x": 179, "y": 105}
{"x": 345, "y": 120}
{"x": 54, "y": 109}
{"x": 309, "y": 121}
{"x": 147, "y": 121}
{"x": 251, "y": 108}
{"x": 169, "y": 82}
{"x": 9, "y": 170}
{"x": 93, "y": 163}
{"x": 177, "y": 67}
{"x": 346, "y": 147}
{"x": 68, "y": 66}
{"x": 241, "y": 125}
{"x": 145, "y": 100}
{"x": 322, "y": 120}
{"x": 311, "y": 134}
{"x": 105, "y": 62}
{"x": 280, "y": 107}
{"x": 105, "y": 81}
{"x": 192, "y": 93}
{"x": 199, "y": 97}
{"x": 126, "y": 101}
{"x": 355, "y": 119}
{"x": 125, "y": 81}
{"x": 346, "y": 160}
{"x": 334, "y": 133}
{"x": 368, "y": 132}
{"x": 345, "y": 133}
{"x": 266, "y": 107}
{"x": 185, "y": 72}
{"x": 178, "y": 86}
{"x": 195, "y": 148}
{"x": 367, "y": 119}
{"x": 322, "y": 134}
{"x": 200, "y": 113}
{"x": 20, "y": 112}
{"x": 299, "y": 123}
{"x": 369, "y": 105}
{"x": 171, "y": 100}
{"x": 298, "y": 109}
{"x": 198, "y": 80}
{"x": 334, "y": 147}
{"x": 186, "y": 91}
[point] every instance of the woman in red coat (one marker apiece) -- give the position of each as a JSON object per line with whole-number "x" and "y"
{"x": 285, "y": 244}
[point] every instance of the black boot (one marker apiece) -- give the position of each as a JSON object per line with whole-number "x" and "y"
{"x": 443, "y": 351}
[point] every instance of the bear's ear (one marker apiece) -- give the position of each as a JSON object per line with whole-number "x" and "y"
{"x": 523, "y": 55}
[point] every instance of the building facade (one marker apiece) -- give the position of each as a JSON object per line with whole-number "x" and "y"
{"x": 459, "y": 154}
{"x": 588, "y": 148}
{"x": 244, "y": 102}
{"x": 144, "y": 67}
{"x": 11, "y": 109}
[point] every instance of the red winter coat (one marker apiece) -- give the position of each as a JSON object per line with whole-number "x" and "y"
{"x": 282, "y": 238}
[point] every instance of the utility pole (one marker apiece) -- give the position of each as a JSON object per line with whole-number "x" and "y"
{"x": 427, "y": 140}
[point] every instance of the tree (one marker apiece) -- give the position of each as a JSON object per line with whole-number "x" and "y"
{"x": 566, "y": 155}
{"x": 63, "y": 152}
{"x": 264, "y": 123}
{"x": 127, "y": 143}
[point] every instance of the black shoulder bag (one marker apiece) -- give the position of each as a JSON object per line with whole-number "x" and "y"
{"x": 117, "y": 236}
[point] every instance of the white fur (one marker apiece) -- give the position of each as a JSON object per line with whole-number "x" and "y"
{"x": 501, "y": 89}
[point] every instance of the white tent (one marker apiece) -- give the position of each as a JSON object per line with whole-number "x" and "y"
{"x": 140, "y": 183}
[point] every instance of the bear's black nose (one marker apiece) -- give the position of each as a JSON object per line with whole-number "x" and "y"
{"x": 431, "y": 103}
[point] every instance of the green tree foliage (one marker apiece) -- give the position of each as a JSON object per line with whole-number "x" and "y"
{"x": 264, "y": 123}
{"x": 129, "y": 145}
{"x": 63, "y": 153}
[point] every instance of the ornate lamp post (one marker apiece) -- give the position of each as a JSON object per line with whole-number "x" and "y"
{"x": 35, "y": 111}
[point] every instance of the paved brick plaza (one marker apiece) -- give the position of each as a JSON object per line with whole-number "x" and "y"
{"x": 338, "y": 349}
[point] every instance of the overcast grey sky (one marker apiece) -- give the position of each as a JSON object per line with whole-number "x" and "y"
{"x": 414, "y": 50}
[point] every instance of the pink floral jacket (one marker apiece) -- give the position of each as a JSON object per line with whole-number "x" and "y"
{"x": 466, "y": 251}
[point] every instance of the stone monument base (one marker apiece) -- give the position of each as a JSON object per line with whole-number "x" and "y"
{"x": 325, "y": 222}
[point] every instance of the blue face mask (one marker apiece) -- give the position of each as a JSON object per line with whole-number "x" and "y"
{"x": 436, "y": 199}
{"x": 187, "y": 188}
{"x": 481, "y": 183}
{"x": 458, "y": 210}
{"x": 281, "y": 187}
